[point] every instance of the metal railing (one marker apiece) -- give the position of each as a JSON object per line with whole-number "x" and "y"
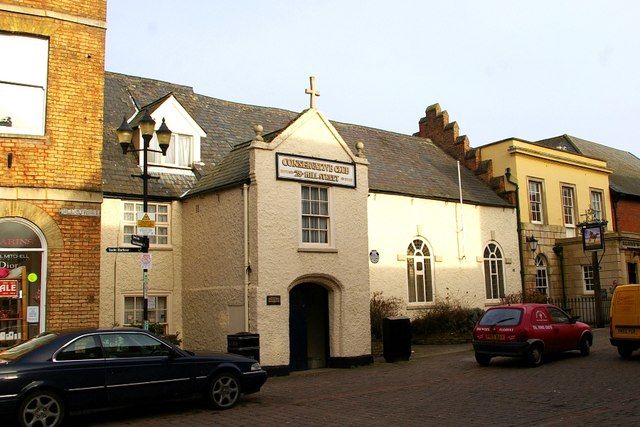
{"x": 585, "y": 307}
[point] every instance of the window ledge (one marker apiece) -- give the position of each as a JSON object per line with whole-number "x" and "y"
{"x": 325, "y": 250}
{"x": 492, "y": 303}
{"x": 32, "y": 138}
{"x": 152, "y": 248}
{"x": 420, "y": 306}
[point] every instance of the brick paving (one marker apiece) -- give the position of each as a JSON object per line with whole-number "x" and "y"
{"x": 439, "y": 386}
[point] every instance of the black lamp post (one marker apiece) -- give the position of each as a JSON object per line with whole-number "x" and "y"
{"x": 125, "y": 133}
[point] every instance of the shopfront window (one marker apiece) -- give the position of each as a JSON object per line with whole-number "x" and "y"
{"x": 21, "y": 281}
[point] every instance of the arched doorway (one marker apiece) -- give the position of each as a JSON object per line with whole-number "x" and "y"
{"x": 308, "y": 327}
{"x": 22, "y": 280}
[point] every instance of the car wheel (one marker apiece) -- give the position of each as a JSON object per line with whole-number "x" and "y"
{"x": 535, "y": 356}
{"x": 224, "y": 390}
{"x": 625, "y": 351}
{"x": 41, "y": 408}
{"x": 483, "y": 359}
{"x": 585, "y": 346}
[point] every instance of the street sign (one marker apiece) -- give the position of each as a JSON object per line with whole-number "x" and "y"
{"x": 146, "y": 224}
{"x": 139, "y": 240}
{"x": 124, "y": 250}
{"x": 145, "y": 261}
{"x": 146, "y": 219}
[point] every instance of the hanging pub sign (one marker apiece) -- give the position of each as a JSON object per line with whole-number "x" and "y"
{"x": 592, "y": 237}
{"x": 310, "y": 169}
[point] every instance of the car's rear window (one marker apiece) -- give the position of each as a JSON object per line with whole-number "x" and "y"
{"x": 501, "y": 316}
{"x": 17, "y": 351}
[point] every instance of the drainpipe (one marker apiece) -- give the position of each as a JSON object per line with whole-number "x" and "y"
{"x": 558, "y": 250}
{"x": 507, "y": 174}
{"x": 615, "y": 199}
{"x": 247, "y": 268}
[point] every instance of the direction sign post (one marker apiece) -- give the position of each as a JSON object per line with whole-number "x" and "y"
{"x": 146, "y": 223}
{"x": 139, "y": 240}
{"x": 123, "y": 249}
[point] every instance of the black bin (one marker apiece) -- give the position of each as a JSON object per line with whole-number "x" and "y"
{"x": 245, "y": 344}
{"x": 396, "y": 338}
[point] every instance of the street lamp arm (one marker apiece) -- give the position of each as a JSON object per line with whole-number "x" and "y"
{"x": 141, "y": 176}
{"x": 139, "y": 150}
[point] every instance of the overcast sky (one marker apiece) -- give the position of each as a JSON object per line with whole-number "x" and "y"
{"x": 500, "y": 68}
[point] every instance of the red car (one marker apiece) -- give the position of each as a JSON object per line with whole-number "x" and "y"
{"x": 529, "y": 331}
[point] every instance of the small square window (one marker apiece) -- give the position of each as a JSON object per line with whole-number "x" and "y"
{"x": 130, "y": 223}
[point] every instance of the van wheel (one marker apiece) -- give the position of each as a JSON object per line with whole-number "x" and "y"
{"x": 483, "y": 359}
{"x": 534, "y": 356}
{"x": 585, "y": 346}
{"x": 625, "y": 351}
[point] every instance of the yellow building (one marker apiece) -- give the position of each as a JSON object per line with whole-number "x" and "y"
{"x": 553, "y": 182}
{"x": 553, "y": 188}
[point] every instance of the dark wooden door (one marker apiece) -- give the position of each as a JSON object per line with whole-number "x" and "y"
{"x": 308, "y": 327}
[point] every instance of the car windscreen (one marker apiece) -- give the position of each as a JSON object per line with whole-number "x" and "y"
{"x": 17, "y": 351}
{"x": 502, "y": 317}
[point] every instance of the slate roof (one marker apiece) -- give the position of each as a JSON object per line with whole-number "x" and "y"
{"x": 399, "y": 164}
{"x": 625, "y": 177}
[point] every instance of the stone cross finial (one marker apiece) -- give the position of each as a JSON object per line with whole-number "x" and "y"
{"x": 312, "y": 91}
{"x": 258, "y": 130}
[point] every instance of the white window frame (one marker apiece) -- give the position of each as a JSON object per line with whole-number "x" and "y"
{"x": 542, "y": 275}
{"x": 495, "y": 277}
{"x": 536, "y": 215}
{"x": 160, "y": 160}
{"x": 568, "y": 195}
{"x": 593, "y": 203}
{"x": 588, "y": 278}
{"x": 139, "y": 312}
{"x": 420, "y": 267}
{"x": 23, "y": 84}
{"x": 163, "y": 228}
{"x": 313, "y": 214}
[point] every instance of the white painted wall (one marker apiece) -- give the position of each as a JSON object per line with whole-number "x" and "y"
{"x": 394, "y": 221}
{"x": 121, "y": 273}
{"x": 213, "y": 274}
{"x": 279, "y": 263}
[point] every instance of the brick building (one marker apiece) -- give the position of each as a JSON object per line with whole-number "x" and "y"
{"x": 555, "y": 181}
{"x": 51, "y": 80}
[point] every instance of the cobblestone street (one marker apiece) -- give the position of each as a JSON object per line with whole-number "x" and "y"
{"x": 431, "y": 389}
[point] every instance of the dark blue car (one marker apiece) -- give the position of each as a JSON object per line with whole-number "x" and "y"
{"x": 56, "y": 372}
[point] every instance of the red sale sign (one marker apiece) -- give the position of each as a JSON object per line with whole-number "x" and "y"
{"x": 9, "y": 288}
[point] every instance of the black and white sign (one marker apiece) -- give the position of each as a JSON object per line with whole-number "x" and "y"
{"x": 138, "y": 240}
{"x": 111, "y": 250}
{"x": 309, "y": 169}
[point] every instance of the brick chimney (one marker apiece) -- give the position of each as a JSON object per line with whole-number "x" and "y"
{"x": 435, "y": 126}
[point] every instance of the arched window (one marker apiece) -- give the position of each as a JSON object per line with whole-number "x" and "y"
{"x": 420, "y": 282}
{"x": 542, "y": 277}
{"x": 493, "y": 271}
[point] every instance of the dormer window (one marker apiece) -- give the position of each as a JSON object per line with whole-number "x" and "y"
{"x": 186, "y": 135}
{"x": 179, "y": 154}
